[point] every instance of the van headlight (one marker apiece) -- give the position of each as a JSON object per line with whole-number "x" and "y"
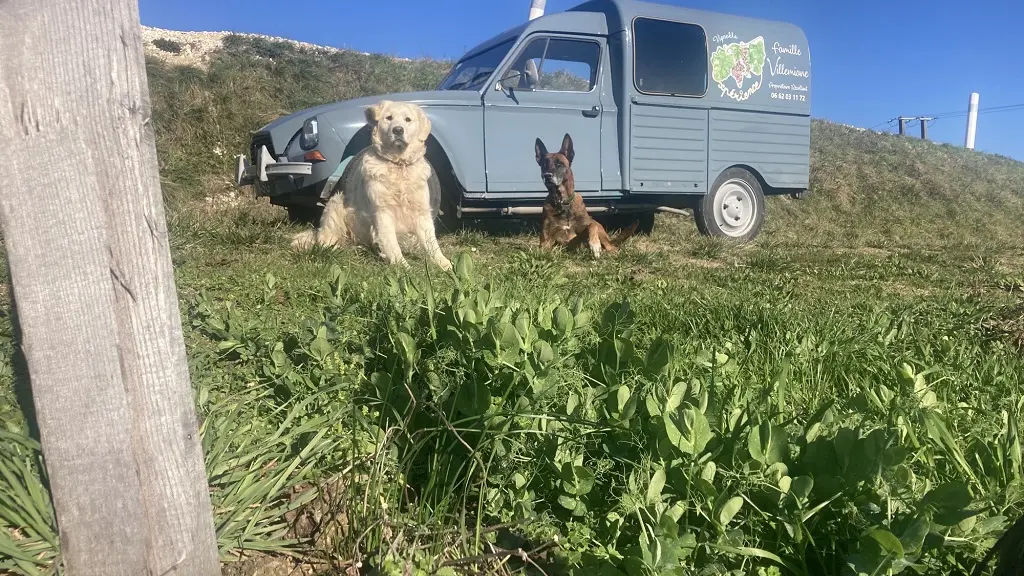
{"x": 310, "y": 134}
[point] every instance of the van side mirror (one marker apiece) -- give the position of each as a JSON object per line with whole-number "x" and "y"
{"x": 513, "y": 75}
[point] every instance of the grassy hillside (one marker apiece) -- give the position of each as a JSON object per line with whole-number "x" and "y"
{"x": 843, "y": 394}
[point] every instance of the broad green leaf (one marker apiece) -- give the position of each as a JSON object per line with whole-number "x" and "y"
{"x": 990, "y": 524}
{"x": 622, "y": 397}
{"x": 659, "y": 357}
{"x": 674, "y": 436}
{"x": 890, "y": 544}
{"x": 581, "y": 319}
{"x": 653, "y": 409}
{"x": 571, "y": 403}
{"x": 545, "y": 354}
{"x": 694, "y": 430}
{"x": 768, "y": 444}
{"x": 576, "y": 480}
{"x": 844, "y": 442}
{"x": 776, "y": 471}
{"x": 801, "y": 487}
{"x": 894, "y": 456}
{"x": 407, "y": 347}
{"x": 708, "y": 472}
{"x": 785, "y": 483}
{"x": 949, "y": 496}
{"x": 562, "y": 321}
{"x": 913, "y": 537}
{"x": 278, "y": 356}
{"x": 755, "y": 553}
{"x": 523, "y": 324}
{"x": 505, "y": 336}
{"x": 463, "y": 266}
{"x": 729, "y": 510}
{"x": 474, "y": 398}
{"x": 675, "y": 396}
{"x": 623, "y": 351}
{"x": 568, "y": 502}
{"x": 657, "y": 485}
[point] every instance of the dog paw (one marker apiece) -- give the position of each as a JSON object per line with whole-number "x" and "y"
{"x": 445, "y": 264}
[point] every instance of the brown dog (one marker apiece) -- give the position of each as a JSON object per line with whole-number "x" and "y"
{"x": 566, "y": 221}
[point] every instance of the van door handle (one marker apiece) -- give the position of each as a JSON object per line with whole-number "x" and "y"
{"x": 592, "y": 113}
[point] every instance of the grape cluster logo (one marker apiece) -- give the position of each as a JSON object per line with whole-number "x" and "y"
{"x": 739, "y": 64}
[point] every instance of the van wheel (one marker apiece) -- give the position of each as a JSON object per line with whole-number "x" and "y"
{"x": 442, "y": 204}
{"x": 734, "y": 208}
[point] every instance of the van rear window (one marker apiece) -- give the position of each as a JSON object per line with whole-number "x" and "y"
{"x": 669, "y": 57}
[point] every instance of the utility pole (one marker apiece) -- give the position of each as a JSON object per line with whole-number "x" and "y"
{"x": 537, "y": 8}
{"x": 922, "y": 119}
{"x": 972, "y": 121}
{"x": 924, "y": 127}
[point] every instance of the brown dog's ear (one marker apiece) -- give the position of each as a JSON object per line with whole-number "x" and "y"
{"x": 541, "y": 150}
{"x": 373, "y": 112}
{"x": 567, "y": 150}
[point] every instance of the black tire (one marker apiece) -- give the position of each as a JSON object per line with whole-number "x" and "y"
{"x": 646, "y": 227}
{"x": 442, "y": 205}
{"x": 304, "y": 214}
{"x": 741, "y": 207}
{"x": 615, "y": 222}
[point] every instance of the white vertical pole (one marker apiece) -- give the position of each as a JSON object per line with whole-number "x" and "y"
{"x": 972, "y": 121}
{"x": 537, "y": 8}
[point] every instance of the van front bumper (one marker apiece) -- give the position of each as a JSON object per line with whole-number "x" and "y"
{"x": 265, "y": 170}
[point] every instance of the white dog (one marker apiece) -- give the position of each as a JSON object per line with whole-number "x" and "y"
{"x": 385, "y": 201}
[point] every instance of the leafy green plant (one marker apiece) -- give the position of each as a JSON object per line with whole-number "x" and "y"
{"x": 255, "y": 474}
{"x": 28, "y": 537}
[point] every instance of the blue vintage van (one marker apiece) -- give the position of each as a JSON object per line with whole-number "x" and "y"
{"x": 669, "y": 109}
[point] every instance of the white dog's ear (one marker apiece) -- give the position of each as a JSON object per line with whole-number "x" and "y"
{"x": 373, "y": 112}
{"x": 424, "y": 124}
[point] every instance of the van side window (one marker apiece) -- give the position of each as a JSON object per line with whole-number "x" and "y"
{"x": 556, "y": 65}
{"x": 669, "y": 57}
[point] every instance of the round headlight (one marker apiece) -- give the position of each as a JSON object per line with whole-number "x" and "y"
{"x": 310, "y": 134}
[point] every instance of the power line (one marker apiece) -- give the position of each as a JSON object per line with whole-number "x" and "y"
{"x": 980, "y": 110}
{"x": 932, "y": 118}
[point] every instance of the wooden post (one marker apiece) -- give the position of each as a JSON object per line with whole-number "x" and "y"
{"x": 84, "y": 227}
{"x": 903, "y": 125}
{"x": 924, "y": 128}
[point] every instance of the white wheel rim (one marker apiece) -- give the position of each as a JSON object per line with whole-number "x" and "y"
{"x": 735, "y": 208}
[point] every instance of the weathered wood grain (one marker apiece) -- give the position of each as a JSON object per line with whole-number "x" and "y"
{"x": 85, "y": 231}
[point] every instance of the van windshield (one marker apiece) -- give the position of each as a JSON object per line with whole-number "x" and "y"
{"x": 472, "y": 72}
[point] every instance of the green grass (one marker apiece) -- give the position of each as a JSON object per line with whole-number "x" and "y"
{"x": 845, "y": 391}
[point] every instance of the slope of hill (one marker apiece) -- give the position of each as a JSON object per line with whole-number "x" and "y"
{"x": 843, "y": 393}
{"x": 867, "y": 186}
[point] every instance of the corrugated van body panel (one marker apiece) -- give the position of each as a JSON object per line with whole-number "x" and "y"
{"x": 668, "y": 149}
{"x": 776, "y": 145}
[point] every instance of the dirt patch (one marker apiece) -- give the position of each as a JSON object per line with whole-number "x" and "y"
{"x": 1009, "y": 323}
{"x": 263, "y": 565}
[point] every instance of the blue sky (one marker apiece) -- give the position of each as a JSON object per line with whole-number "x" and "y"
{"x": 872, "y": 59}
